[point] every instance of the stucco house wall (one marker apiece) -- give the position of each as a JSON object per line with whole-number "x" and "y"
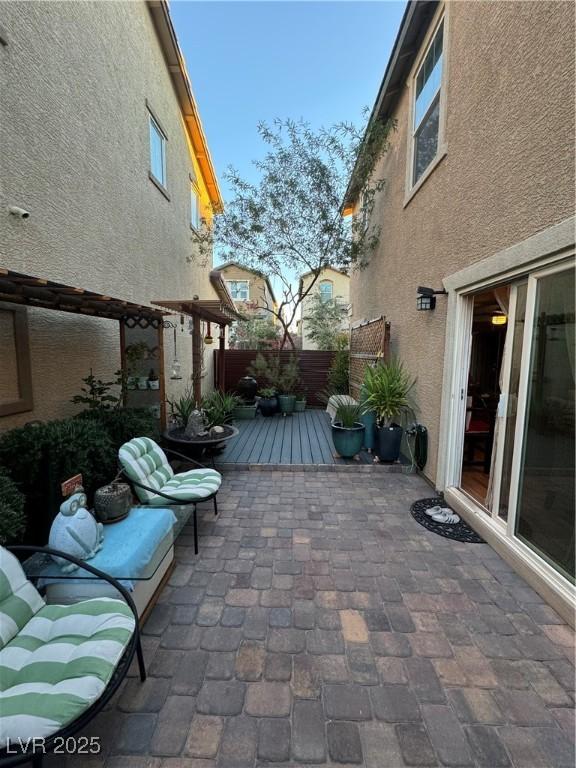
{"x": 508, "y": 173}
{"x": 340, "y": 291}
{"x": 75, "y": 80}
{"x": 257, "y": 287}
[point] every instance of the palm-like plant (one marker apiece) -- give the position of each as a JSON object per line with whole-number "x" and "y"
{"x": 388, "y": 387}
{"x": 348, "y": 414}
{"x": 218, "y": 408}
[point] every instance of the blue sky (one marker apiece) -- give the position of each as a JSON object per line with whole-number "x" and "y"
{"x": 252, "y": 61}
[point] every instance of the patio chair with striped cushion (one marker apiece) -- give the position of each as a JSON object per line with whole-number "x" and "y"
{"x": 146, "y": 466}
{"x": 59, "y": 664}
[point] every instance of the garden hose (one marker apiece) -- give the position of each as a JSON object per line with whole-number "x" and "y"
{"x": 420, "y": 445}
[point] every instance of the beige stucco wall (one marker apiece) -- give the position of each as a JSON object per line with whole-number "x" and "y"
{"x": 74, "y": 80}
{"x": 340, "y": 291}
{"x": 258, "y": 288}
{"x": 508, "y": 173}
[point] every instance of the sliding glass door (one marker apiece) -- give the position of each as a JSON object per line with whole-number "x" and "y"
{"x": 530, "y": 496}
{"x": 544, "y": 518}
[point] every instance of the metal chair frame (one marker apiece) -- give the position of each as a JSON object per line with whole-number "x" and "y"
{"x": 9, "y": 759}
{"x": 172, "y": 499}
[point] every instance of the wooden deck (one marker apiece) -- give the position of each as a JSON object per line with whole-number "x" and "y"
{"x": 301, "y": 438}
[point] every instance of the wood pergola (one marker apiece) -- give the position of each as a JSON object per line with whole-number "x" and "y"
{"x": 26, "y": 290}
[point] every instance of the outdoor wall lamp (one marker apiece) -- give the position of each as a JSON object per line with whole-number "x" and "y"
{"x": 426, "y": 299}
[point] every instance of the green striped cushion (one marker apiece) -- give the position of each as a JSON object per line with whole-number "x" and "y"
{"x": 59, "y": 664}
{"x": 19, "y": 600}
{"x": 145, "y": 462}
{"x": 194, "y": 485}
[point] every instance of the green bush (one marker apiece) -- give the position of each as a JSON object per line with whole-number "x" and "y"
{"x": 122, "y": 424}
{"x": 12, "y": 516}
{"x": 338, "y": 375}
{"x": 39, "y": 458}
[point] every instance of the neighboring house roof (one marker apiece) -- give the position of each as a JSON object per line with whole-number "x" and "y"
{"x": 311, "y": 272}
{"x": 415, "y": 22}
{"x": 256, "y": 272}
{"x": 177, "y": 68}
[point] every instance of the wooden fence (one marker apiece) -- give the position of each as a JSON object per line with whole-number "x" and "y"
{"x": 369, "y": 342}
{"x": 313, "y": 367}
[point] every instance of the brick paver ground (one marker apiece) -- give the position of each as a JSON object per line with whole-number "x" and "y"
{"x": 321, "y": 625}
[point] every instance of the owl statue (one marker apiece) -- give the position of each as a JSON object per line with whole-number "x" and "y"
{"x": 75, "y": 531}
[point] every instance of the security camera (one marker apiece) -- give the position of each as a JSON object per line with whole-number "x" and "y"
{"x": 20, "y": 213}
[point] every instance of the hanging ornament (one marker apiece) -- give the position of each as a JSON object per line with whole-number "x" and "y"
{"x": 176, "y": 368}
{"x": 208, "y": 338}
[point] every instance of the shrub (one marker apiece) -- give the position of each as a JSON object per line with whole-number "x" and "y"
{"x": 39, "y": 458}
{"x": 122, "y": 424}
{"x": 338, "y": 375}
{"x": 12, "y": 516}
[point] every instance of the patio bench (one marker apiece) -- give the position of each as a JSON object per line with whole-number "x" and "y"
{"x": 59, "y": 664}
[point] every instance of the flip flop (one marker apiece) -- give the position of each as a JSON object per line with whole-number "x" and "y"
{"x": 436, "y": 510}
{"x": 446, "y": 516}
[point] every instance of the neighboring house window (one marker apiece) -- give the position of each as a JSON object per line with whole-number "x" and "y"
{"x": 325, "y": 290}
{"x": 157, "y": 152}
{"x": 239, "y": 290}
{"x": 194, "y": 207}
{"x": 427, "y": 106}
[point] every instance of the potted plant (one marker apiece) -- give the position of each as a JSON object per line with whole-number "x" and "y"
{"x": 347, "y": 428}
{"x": 287, "y": 383}
{"x": 268, "y": 403}
{"x": 388, "y": 387}
{"x": 153, "y": 380}
{"x": 218, "y": 408}
{"x": 300, "y": 404}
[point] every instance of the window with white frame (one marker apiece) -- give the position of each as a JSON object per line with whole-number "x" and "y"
{"x": 426, "y": 108}
{"x": 157, "y": 152}
{"x": 195, "y": 219}
{"x": 325, "y": 289}
{"x": 239, "y": 290}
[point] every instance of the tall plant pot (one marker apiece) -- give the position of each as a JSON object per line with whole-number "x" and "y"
{"x": 286, "y": 403}
{"x": 348, "y": 440}
{"x": 388, "y": 441}
{"x": 369, "y": 421}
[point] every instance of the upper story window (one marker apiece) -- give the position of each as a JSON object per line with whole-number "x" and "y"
{"x": 426, "y": 109}
{"x": 157, "y": 152}
{"x": 239, "y": 290}
{"x": 325, "y": 289}
{"x": 195, "y": 219}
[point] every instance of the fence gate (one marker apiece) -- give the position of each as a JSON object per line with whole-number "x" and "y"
{"x": 369, "y": 341}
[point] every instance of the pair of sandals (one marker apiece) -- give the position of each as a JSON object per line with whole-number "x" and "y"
{"x": 443, "y": 515}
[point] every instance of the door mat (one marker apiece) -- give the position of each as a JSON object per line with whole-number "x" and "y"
{"x": 459, "y": 531}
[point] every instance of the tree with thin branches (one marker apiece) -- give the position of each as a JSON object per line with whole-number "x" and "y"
{"x": 289, "y": 221}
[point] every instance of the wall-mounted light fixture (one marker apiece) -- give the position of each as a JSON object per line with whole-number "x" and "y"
{"x": 499, "y": 318}
{"x": 426, "y": 299}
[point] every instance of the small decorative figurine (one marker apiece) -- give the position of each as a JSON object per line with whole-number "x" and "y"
{"x": 75, "y": 531}
{"x": 195, "y": 426}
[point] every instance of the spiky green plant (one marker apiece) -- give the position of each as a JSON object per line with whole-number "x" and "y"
{"x": 218, "y": 408}
{"x": 182, "y": 406}
{"x": 348, "y": 414}
{"x": 388, "y": 388}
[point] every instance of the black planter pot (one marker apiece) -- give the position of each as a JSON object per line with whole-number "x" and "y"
{"x": 388, "y": 441}
{"x": 247, "y": 388}
{"x": 268, "y": 405}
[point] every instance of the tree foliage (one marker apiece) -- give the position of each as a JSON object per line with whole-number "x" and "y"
{"x": 323, "y": 322}
{"x": 289, "y": 221}
{"x": 256, "y": 332}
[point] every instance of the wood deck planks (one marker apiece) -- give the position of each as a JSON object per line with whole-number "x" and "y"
{"x": 302, "y": 438}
